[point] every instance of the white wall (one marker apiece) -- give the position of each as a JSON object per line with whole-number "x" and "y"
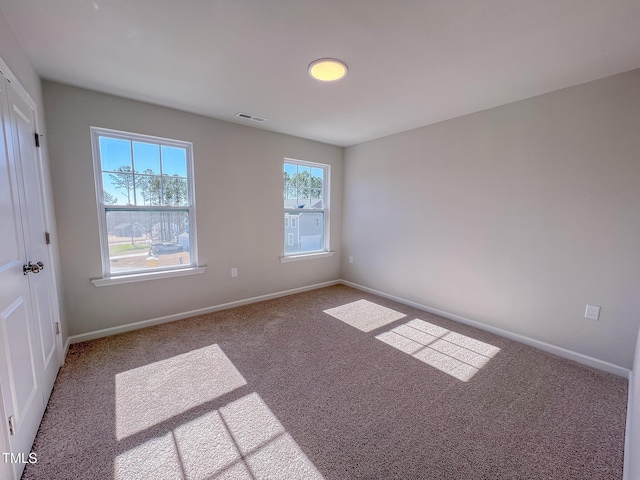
{"x": 238, "y": 186}
{"x": 16, "y": 59}
{"x": 516, "y": 216}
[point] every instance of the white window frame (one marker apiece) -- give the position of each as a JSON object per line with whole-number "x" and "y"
{"x": 326, "y": 193}
{"x": 145, "y": 273}
{"x": 290, "y": 238}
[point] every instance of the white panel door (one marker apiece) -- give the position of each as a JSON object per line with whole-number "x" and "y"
{"x": 22, "y": 118}
{"x": 28, "y": 347}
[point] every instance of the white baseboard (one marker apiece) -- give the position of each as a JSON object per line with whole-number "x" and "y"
{"x": 627, "y": 432}
{"x": 66, "y": 349}
{"x": 547, "y": 347}
{"x": 106, "y": 332}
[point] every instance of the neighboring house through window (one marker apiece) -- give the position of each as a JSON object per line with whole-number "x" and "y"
{"x": 306, "y": 207}
{"x": 145, "y": 195}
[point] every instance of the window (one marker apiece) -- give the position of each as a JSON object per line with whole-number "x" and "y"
{"x": 286, "y": 221}
{"x": 306, "y": 204}
{"x": 144, "y": 187}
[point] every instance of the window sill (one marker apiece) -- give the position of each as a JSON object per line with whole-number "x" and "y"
{"x": 143, "y": 277}
{"x": 306, "y": 256}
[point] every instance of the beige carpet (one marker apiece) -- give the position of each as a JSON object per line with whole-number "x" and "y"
{"x": 333, "y": 383}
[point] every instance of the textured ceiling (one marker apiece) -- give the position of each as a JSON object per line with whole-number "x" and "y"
{"x": 411, "y": 62}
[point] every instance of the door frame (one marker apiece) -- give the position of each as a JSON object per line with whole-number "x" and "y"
{"x": 5, "y": 468}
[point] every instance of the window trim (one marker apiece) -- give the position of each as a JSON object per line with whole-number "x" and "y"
{"x": 306, "y": 256}
{"x": 144, "y": 276}
{"x": 108, "y": 277}
{"x": 326, "y": 195}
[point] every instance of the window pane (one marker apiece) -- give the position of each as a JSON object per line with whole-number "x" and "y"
{"x": 303, "y": 186}
{"x": 140, "y": 240}
{"x": 117, "y": 188}
{"x": 305, "y": 232}
{"x": 115, "y": 154}
{"x": 317, "y": 172}
{"x": 146, "y": 158}
{"x": 317, "y": 188}
{"x": 290, "y": 190}
{"x": 174, "y": 189}
{"x": 174, "y": 161}
{"x": 302, "y": 181}
{"x": 148, "y": 190}
{"x": 290, "y": 169}
{"x": 156, "y": 192}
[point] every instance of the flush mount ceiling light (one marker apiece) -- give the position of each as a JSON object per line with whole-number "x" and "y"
{"x": 327, "y": 69}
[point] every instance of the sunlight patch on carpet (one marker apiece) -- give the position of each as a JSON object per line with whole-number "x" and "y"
{"x": 365, "y": 315}
{"x": 450, "y": 352}
{"x": 242, "y": 440}
{"x": 156, "y": 458}
{"x": 156, "y": 392}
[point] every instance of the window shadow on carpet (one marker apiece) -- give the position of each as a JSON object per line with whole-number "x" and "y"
{"x": 163, "y": 432}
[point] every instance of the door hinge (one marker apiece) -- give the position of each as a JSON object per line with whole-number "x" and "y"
{"x": 37, "y": 137}
{"x": 57, "y": 328}
{"x": 12, "y": 425}
{"x": 47, "y": 238}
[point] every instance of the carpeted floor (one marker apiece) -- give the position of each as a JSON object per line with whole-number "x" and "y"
{"x": 333, "y": 383}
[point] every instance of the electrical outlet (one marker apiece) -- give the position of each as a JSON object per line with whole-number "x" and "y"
{"x": 350, "y": 259}
{"x": 592, "y": 312}
{"x": 234, "y": 272}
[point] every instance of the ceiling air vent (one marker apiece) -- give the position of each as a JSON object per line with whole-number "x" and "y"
{"x": 248, "y": 116}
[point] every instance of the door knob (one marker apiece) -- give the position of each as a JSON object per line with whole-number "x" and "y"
{"x": 32, "y": 267}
